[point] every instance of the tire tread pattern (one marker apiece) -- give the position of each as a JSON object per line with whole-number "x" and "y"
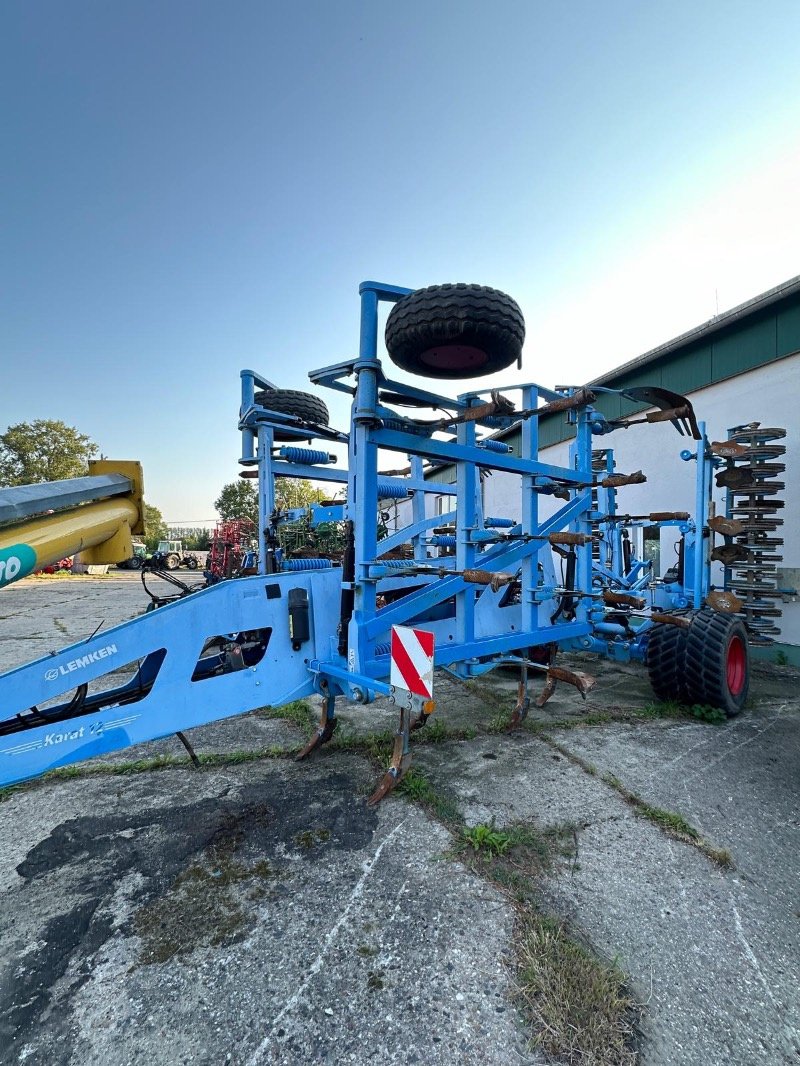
{"x": 303, "y": 405}
{"x": 473, "y": 315}
{"x": 666, "y": 651}
{"x": 707, "y": 642}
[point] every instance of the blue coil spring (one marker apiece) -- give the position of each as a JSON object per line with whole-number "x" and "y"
{"x": 397, "y": 564}
{"x": 382, "y": 649}
{"x": 307, "y": 564}
{"x": 442, "y": 540}
{"x": 388, "y": 491}
{"x": 311, "y": 456}
{"x": 499, "y": 523}
{"x": 494, "y": 446}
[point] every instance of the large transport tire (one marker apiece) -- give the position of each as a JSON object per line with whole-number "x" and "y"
{"x": 191, "y": 563}
{"x": 717, "y": 661}
{"x": 304, "y": 405}
{"x": 134, "y": 564}
{"x": 666, "y": 662}
{"x": 172, "y": 561}
{"x": 455, "y": 331}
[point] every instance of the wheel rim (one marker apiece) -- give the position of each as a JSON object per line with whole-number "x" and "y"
{"x": 736, "y": 666}
{"x": 454, "y": 357}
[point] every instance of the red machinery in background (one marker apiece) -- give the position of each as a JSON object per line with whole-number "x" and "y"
{"x": 232, "y": 549}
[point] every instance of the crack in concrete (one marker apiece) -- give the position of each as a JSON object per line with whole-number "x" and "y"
{"x": 750, "y": 955}
{"x": 317, "y": 964}
{"x": 742, "y": 744}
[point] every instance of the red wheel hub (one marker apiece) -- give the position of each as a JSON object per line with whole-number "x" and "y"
{"x": 736, "y": 666}
{"x": 454, "y": 357}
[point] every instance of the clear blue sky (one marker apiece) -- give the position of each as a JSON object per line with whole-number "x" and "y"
{"x": 190, "y": 188}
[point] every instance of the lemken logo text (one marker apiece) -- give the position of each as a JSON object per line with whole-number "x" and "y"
{"x": 81, "y": 663}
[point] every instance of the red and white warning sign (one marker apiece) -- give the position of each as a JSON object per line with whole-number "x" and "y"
{"x": 412, "y": 660}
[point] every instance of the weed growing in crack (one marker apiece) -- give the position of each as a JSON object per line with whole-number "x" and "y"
{"x": 416, "y": 786}
{"x": 486, "y": 838}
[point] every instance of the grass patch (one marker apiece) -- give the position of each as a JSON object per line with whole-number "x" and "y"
{"x": 670, "y": 709}
{"x": 516, "y": 856}
{"x": 418, "y": 788}
{"x": 672, "y": 823}
{"x": 132, "y": 767}
{"x": 578, "y": 1004}
{"x": 297, "y": 712}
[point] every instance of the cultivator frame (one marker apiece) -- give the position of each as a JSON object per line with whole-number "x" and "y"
{"x": 492, "y": 590}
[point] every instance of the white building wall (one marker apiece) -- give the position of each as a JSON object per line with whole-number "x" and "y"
{"x": 769, "y": 395}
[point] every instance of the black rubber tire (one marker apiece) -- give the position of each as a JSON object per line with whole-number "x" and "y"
{"x": 172, "y": 561}
{"x": 717, "y": 661}
{"x": 134, "y": 564}
{"x": 304, "y": 405}
{"x": 666, "y": 662}
{"x": 455, "y": 331}
{"x": 191, "y": 563}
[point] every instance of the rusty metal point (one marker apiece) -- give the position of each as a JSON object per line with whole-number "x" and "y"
{"x": 321, "y": 736}
{"x": 725, "y": 602}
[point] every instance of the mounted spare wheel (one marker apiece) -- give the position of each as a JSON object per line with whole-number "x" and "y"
{"x": 455, "y": 331}
{"x": 303, "y": 405}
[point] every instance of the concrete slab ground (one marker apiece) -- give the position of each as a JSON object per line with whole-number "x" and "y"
{"x": 257, "y": 911}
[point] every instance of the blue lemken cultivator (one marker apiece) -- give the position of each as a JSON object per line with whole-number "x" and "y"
{"x": 491, "y": 590}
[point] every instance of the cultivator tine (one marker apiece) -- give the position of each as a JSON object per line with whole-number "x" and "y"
{"x": 520, "y": 712}
{"x": 584, "y": 683}
{"x": 425, "y": 711}
{"x": 676, "y": 408}
{"x": 670, "y": 620}
{"x": 616, "y": 481}
{"x": 580, "y": 398}
{"x": 725, "y": 602}
{"x": 401, "y": 760}
{"x": 548, "y": 690}
{"x": 495, "y": 581}
{"x": 728, "y": 449}
{"x": 622, "y": 599}
{"x": 327, "y": 726}
{"x": 726, "y": 527}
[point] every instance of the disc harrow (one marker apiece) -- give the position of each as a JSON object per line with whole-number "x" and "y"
{"x": 750, "y": 477}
